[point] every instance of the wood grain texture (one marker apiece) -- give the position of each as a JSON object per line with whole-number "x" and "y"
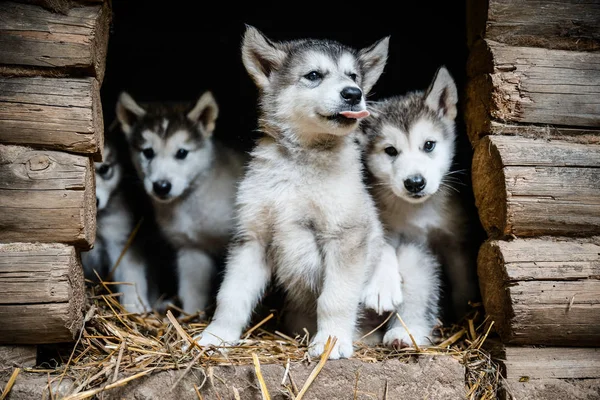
{"x": 564, "y": 25}
{"x": 62, "y": 114}
{"x": 531, "y": 86}
{"x": 46, "y": 197}
{"x": 542, "y": 291}
{"x": 32, "y": 36}
{"x": 43, "y": 293}
{"x": 528, "y": 187}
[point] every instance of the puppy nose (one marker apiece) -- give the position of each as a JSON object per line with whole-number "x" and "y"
{"x": 351, "y": 94}
{"x": 162, "y": 188}
{"x": 415, "y": 183}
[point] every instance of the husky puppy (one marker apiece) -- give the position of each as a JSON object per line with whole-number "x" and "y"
{"x": 191, "y": 180}
{"x": 304, "y": 215}
{"x": 409, "y": 155}
{"x": 115, "y": 222}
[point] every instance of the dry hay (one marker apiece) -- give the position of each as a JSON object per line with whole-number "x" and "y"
{"x": 116, "y": 347}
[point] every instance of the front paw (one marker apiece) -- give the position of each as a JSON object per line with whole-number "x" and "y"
{"x": 398, "y": 338}
{"x": 341, "y": 349}
{"x": 383, "y": 295}
{"x": 213, "y": 336}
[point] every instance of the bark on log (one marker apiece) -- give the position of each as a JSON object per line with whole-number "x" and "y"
{"x": 63, "y": 114}
{"x": 34, "y": 37}
{"x": 564, "y": 25}
{"x": 527, "y": 187}
{"x": 46, "y": 197}
{"x": 43, "y": 293}
{"x": 531, "y": 85}
{"x": 543, "y": 291}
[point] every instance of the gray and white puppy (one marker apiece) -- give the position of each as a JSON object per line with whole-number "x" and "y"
{"x": 114, "y": 224}
{"x": 191, "y": 179}
{"x": 409, "y": 154}
{"x": 304, "y": 215}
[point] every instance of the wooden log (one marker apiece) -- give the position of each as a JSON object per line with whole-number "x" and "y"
{"x": 528, "y": 187}
{"x": 46, "y": 196}
{"x": 542, "y": 291}
{"x": 43, "y": 293}
{"x": 530, "y": 85}
{"x": 563, "y": 25}
{"x": 34, "y": 37}
{"x": 23, "y": 356}
{"x": 546, "y": 132}
{"x": 63, "y": 114}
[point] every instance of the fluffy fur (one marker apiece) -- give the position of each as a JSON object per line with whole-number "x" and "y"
{"x": 191, "y": 179}
{"x": 409, "y": 155}
{"x": 304, "y": 216}
{"x": 115, "y": 222}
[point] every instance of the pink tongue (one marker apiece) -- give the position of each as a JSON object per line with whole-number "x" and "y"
{"x": 355, "y": 114}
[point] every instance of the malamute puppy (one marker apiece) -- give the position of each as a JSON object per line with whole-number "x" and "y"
{"x": 115, "y": 222}
{"x": 191, "y": 180}
{"x": 304, "y": 215}
{"x": 409, "y": 153}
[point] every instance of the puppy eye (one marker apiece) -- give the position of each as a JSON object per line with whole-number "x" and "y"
{"x": 103, "y": 169}
{"x": 353, "y": 77}
{"x": 148, "y": 153}
{"x": 429, "y": 146}
{"x": 314, "y": 76}
{"x": 181, "y": 154}
{"x": 391, "y": 151}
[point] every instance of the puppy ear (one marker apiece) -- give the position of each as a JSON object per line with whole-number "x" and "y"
{"x": 442, "y": 95}
{"x": 128, "y": 112}
{"x": 205, "y": 113}
{"x": 260, "y": 56}
{"x": 372, "y": 60}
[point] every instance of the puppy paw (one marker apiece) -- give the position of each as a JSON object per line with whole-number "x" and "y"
{"x": 398, "y": 338}
{"x": 383, "y": 291}
{"x": 343, "y": 347}
{"x": 214, "y": 336}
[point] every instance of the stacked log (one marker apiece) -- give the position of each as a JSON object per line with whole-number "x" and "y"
{"x": 51, "y": 132}
{"x": 533, "y": 117}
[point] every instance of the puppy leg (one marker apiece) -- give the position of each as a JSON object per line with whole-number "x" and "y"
{"x": 419, "y": 311}
{"x": 196, "y": 271}
{"x": 345, "y": 268}
{"x": 246, "y": 276}
{"x": 383, "y": 291}
{"x": 132, "y": 272}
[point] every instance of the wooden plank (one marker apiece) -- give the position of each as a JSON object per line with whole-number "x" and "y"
{"x": 546, "y": 132}
{"x": 528, "y": 187}
{"x": 46, "y": 197}
{"x": 542, "y": 291}
{"x": 31, "y": 36}
{"x": 563, "y": 25}
{"x": 23, "y": 356}
{"x": 528, "y": 363}
{"x": 43, "y": 293}
{"x": 62, "y": 114}
{"x": 531, "y": 86}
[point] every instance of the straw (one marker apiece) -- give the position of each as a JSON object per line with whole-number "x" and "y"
{"x": 10, "y": 383}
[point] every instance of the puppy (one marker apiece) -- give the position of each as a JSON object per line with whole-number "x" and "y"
{"x": 304, "y": 215}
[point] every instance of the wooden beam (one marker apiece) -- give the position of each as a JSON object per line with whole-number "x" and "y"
{"x": 542, "y": 291}
{"x": 564, "y": 25}
{"x": 62, "y": 114}
{"x": 34, "y": 37}
{"x": 528, "y": 187}
{"x": 46, "y": 197}
{"x": 531, "y": 86}
{"x": 43, "y": 293}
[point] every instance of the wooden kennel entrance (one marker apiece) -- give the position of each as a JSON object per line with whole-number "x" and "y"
{"x": 531, "y": 112}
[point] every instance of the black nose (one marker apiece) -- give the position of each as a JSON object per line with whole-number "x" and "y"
{"x": 415, "y": 183}
{"x": 162, "y": 188}
{"x": 351, "y": 94}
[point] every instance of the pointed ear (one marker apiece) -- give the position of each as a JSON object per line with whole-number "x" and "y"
{"x": 372, "y": 60}
{"x": 128, "y": 112}
{"x": 442, "y": 95}
{"x": 205, "y": 113}
{"x": 260, "y": 56}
